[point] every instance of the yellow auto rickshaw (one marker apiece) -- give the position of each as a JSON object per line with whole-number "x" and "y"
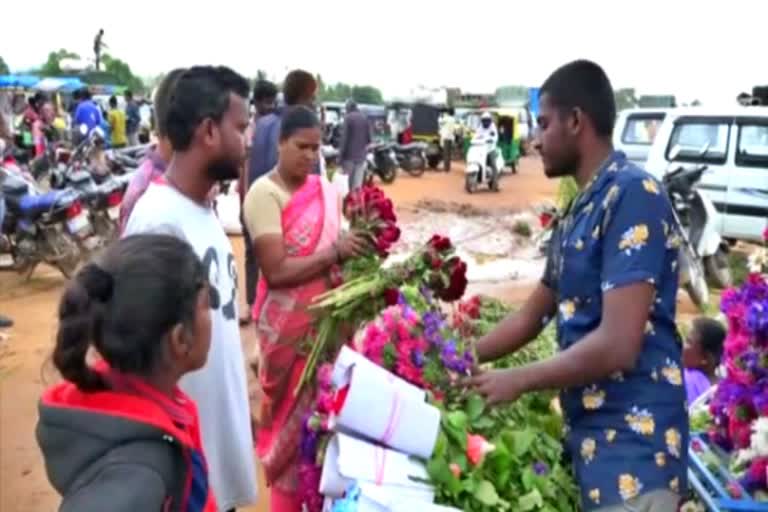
{"x": 508, "y": 123}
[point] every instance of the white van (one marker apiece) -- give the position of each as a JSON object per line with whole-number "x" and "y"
{"x": 733, "y": 143}
{"x": 635, "y": 131}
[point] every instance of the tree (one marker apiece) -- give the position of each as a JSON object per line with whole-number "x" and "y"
{"x": 342, "y": 92}
{"x": 122, "y": 72}
{"x": 52, "y": 66}
{"x": 367, "y": 94}
{"x": 625, "y": 98}
{"x": 4, "y": 67}
{"x": 261, "y": 75}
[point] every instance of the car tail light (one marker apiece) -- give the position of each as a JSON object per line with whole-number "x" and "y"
{"x": 114, "y": 199}
{"x": 545, "y": 218}
{"x": 74, "y": 210}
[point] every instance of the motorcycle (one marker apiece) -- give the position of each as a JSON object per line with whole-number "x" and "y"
{"x": 478, "y": 170}
{"x": 382, "y": 162}
{"x": 39, "y": 227}
{"x": 412, "y": 158}
{"x": 697, "y": 215}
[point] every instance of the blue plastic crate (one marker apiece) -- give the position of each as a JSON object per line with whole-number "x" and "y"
{"x": 708, "y": 484}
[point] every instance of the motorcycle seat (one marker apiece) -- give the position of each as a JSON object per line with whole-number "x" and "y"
{"x": 410, "y": 146}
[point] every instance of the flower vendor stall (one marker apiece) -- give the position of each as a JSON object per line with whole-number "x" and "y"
{"x": 729, "y": 441}
{"x": 394, "y": 427}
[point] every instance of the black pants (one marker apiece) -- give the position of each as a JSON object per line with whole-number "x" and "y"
{"x": 251, "y": 266}
{"x": 447, "y": 154}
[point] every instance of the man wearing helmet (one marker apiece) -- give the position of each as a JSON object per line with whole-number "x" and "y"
{"x": 487, "y": 130}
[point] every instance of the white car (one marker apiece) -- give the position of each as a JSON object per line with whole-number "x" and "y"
{"x": 733, "y": 143}
{"x": 635, "y": 131}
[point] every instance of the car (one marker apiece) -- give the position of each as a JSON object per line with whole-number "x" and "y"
{"x": 635, "y": 131}
{"x": 733, "y": 143}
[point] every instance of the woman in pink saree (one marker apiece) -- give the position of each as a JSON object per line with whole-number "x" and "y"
{"x": 294, "y": 218}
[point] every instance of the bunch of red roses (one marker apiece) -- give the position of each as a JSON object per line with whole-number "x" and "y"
{"x": 372, "y": 213}
{"x": 448, "y": 275}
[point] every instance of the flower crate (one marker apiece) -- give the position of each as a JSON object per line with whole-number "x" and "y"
{"x": 712, "y": 482}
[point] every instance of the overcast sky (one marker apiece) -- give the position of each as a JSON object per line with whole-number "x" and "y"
{"x": 707, "y": 50}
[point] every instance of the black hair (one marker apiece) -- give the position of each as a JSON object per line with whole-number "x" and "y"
{"x": 711, "y": 336}
{"x": 85, "y": 93}
{"x": 264, "y": 90}
{"x": 201, "y": 92}
{"x": 297, "y": 86}
{"x": 113, "y": 101}
{"x": 124, "y": 304}
{"x": 163, "y": 100}
{"x": 128, "y": 94}
{"x": 585, "y": 85}
{"x": 297, "y": 118}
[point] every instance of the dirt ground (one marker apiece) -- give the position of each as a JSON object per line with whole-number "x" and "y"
{"x": 24, "y": 352}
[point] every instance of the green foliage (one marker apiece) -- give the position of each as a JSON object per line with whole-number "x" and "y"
{"x": 52, "y": 66}
{"x": 343, "y": 92}
{"x": 122, "y": 72}
{"x": 4, "y": 67}
{"x": 522, "y": 228}
{"x": 625, "y": 98}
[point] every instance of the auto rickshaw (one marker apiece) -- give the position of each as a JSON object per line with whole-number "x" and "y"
{"x": 425, "y": 123}
{"x": 508, "y": 123}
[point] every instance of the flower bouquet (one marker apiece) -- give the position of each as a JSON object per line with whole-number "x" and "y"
{"x": 483, "y": 459}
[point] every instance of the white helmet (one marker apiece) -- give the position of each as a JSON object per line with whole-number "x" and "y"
{"x": 486, "y": 115}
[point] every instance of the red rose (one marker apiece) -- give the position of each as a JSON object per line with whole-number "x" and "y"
{"x": 437, "y": 263}
{"x": 385, "y": 210}
{"x": 383, "y": 247}
{"x": 391, "y": 296}
{"x": 390, "y": 233}
{"x": 440, "y": 243}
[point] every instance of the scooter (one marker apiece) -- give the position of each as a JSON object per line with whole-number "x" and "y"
{"x": 697, "y": 216}
{"x": 382, "y": 162}
{"x": 412, "y": 158}
{"x": 478, "y": 171}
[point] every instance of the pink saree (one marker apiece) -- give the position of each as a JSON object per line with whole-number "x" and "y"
{"x": 310, "y": 222}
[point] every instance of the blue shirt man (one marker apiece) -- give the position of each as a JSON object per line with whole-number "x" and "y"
{"x": 610, "y": 284}
{"x": 89, "y": 114}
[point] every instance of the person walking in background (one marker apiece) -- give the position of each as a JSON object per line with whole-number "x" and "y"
{"x": 132, "y": 437}
{"x": 355, "y": 138}
{"x": 116, "y": 118}
{"x": 447, "y": 137}
{"x": 158, "y": 158}
{"x": 264, "y": 102}
{"x": 6, "y": 139}
{"x": 133, "y": 119}
{"x": 206, "y": 121}
{"x": 702, "y": 354}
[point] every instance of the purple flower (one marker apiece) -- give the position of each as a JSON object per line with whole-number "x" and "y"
{"x": 540, "y": 468}
{"x": 418, "y": 358}
{"x": 757, "y": 318}
{"x": 308, "y": 441}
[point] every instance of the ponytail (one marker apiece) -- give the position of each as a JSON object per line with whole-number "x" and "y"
{"x": 80, "y": 325}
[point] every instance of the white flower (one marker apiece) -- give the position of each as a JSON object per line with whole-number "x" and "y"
{"x": 744, "y": 457}
{"x": 757, "y": 260}
{"x": 759, "y": 438}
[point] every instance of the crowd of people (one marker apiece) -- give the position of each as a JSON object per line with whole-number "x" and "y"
{"x": 163, "y": 421}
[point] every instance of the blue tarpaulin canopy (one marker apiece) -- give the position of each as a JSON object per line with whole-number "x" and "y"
{"x": 24, "y": 81}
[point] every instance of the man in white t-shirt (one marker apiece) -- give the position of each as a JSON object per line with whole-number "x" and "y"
{"x": 207, "y": 119}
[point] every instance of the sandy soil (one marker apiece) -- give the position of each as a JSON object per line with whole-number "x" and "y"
{"x": 32, "y": 304}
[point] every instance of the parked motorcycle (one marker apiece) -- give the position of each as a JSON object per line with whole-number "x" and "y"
{"x": 41, "y": 227}
{"x": 412, "y": 158}
{"x": 478, "y": 170}
{"x": 697, "y": 216}
{"x": 382, "y": 162}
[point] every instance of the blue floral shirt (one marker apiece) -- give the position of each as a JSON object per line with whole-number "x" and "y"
{"x": 627, "y": 434}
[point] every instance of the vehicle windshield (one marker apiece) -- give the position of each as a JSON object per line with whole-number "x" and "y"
{"x": 700, "y": 141}
{"x": 641, "y": 130}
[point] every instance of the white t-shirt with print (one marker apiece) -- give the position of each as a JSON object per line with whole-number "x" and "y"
{"x": 220, "y": 387}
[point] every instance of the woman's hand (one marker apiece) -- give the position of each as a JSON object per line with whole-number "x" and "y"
{"x": 352, "y": 244}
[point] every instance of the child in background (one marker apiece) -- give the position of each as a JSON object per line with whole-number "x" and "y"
{"x": 120, "y": 435}
{"x": 701, "y": 356}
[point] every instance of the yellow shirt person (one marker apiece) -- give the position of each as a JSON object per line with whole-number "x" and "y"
{"x": 116, "y": 118}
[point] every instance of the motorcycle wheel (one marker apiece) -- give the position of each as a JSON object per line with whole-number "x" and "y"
{"x": 718, "y": 269}
{"x": 415, "y": 166}
{"x": 388, "y": 174}
{"x": 433, "y": 161}
{"x": 470, "y": 182}
{"x": 70, "y": 257}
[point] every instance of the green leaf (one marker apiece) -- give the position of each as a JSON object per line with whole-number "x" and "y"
{"x": 530, "y": 501}
{"x": 439, "y": 471}
{"x": 528, "y": 479}
{"x": 522, "y": 440}
{"x": 458, "y": 420}
{"x": 475, "y": 407}
{"x": 486, "y": 494}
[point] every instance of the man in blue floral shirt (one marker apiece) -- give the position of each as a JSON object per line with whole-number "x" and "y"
{"x": 610, "y": 283}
